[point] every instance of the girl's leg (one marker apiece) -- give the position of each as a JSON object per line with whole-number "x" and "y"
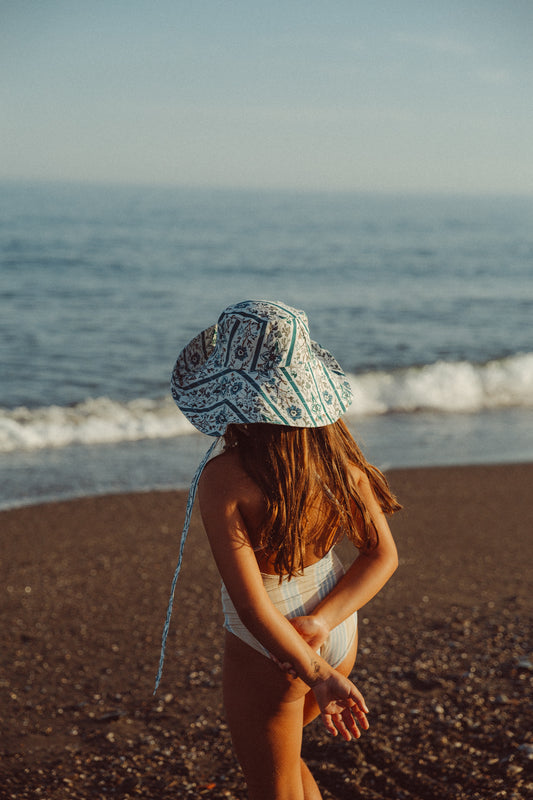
{"x": 311, "y": 711}
{"x": 264, "y": 710}
{"x": 311, "y": 790}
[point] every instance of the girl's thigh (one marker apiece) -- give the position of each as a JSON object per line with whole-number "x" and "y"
{"x": 265, "y": 713}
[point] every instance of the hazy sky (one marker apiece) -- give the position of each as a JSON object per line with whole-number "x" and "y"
{"x": 404, "y": 95}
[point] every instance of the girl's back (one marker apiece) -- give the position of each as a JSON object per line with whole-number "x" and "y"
{"x": 239, "y": 487}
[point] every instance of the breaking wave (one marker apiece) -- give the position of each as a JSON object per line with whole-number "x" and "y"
{"x": 448, "y": 387}
{"x": 445, "y": 387}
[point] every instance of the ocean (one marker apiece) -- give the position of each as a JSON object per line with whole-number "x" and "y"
{"x": 426, "y": 301}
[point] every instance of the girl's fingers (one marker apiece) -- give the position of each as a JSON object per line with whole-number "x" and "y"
{"x": 358, "y": 712}
{"x": 326, "y": 719}
{"x": 358, "y": 699}
{"x": 342, "y": 729}
{"x": 351, "y": 724}
{"x": 343, "y": 723}
{"x": 347, "y": 727}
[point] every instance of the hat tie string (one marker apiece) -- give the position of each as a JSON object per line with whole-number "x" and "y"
{"x": 185, "y": 531}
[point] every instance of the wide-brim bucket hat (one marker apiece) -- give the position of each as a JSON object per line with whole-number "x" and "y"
{"x": 258, "y": 363}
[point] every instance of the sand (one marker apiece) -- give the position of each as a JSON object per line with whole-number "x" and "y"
{"x": 445, "y": 659}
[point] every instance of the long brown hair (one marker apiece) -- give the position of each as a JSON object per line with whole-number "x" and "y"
{"x": 300, "y": 470}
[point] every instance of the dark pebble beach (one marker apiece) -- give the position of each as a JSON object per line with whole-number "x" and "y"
{"x": 445, "y": 657}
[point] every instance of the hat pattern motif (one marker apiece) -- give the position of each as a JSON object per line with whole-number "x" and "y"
{"x": 258, "y": 364}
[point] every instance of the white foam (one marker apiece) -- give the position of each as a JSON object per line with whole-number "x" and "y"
{"x": 446, "y": 387}
{"x": 95, "y": 421}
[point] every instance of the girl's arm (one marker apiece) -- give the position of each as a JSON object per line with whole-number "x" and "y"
{"x": 362, "y": 581}
{"x": 218, "y": 494}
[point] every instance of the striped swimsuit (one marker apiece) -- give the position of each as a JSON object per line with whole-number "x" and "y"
{"x": 298, "y": 597}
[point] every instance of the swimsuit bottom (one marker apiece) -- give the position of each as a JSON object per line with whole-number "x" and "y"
{"x": 298, "y": 597}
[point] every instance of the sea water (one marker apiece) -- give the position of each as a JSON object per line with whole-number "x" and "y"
{"x": 426, "y": 301}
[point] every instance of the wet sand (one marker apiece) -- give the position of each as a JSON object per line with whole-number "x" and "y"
{"x": 445, "y": 659}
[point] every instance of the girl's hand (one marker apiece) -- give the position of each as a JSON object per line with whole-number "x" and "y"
{"x": 342, "y": 706}
{"x": 312, "y": 629}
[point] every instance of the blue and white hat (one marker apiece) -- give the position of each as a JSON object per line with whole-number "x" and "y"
{"x": 257, "y": 364}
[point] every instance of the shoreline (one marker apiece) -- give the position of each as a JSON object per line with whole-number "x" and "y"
{"x": 73, "y": 496}
{"x": 444, "y": 658}
{"x": 389, "y": 441}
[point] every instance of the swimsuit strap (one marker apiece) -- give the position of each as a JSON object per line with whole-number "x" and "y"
{"x": 188, "y": 512}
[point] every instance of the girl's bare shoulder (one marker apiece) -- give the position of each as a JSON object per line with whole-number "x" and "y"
{"x": 225, "y": 478}
{"x": 224, "y": 464}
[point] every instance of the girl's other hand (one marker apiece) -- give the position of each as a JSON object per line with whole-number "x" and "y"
{"x": 312, "y": 629}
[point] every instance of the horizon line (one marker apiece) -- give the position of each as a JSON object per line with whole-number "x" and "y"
{"x": 269, "y": 188}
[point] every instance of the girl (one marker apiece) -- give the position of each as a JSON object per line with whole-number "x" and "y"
{"x": 281, "y": 486}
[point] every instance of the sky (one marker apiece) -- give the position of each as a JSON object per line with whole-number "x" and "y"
{"x": 409, "y": 96}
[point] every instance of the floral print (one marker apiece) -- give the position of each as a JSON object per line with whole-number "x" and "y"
{"x": 258, "y": 364}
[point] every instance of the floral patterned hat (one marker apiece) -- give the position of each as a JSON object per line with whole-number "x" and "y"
{"x": 258, "y": 364}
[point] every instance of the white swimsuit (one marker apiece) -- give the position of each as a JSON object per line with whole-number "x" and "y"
{"x": 298, "y": 597}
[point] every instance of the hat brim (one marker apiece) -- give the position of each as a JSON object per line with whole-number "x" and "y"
{"x": 213, "y": 396}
